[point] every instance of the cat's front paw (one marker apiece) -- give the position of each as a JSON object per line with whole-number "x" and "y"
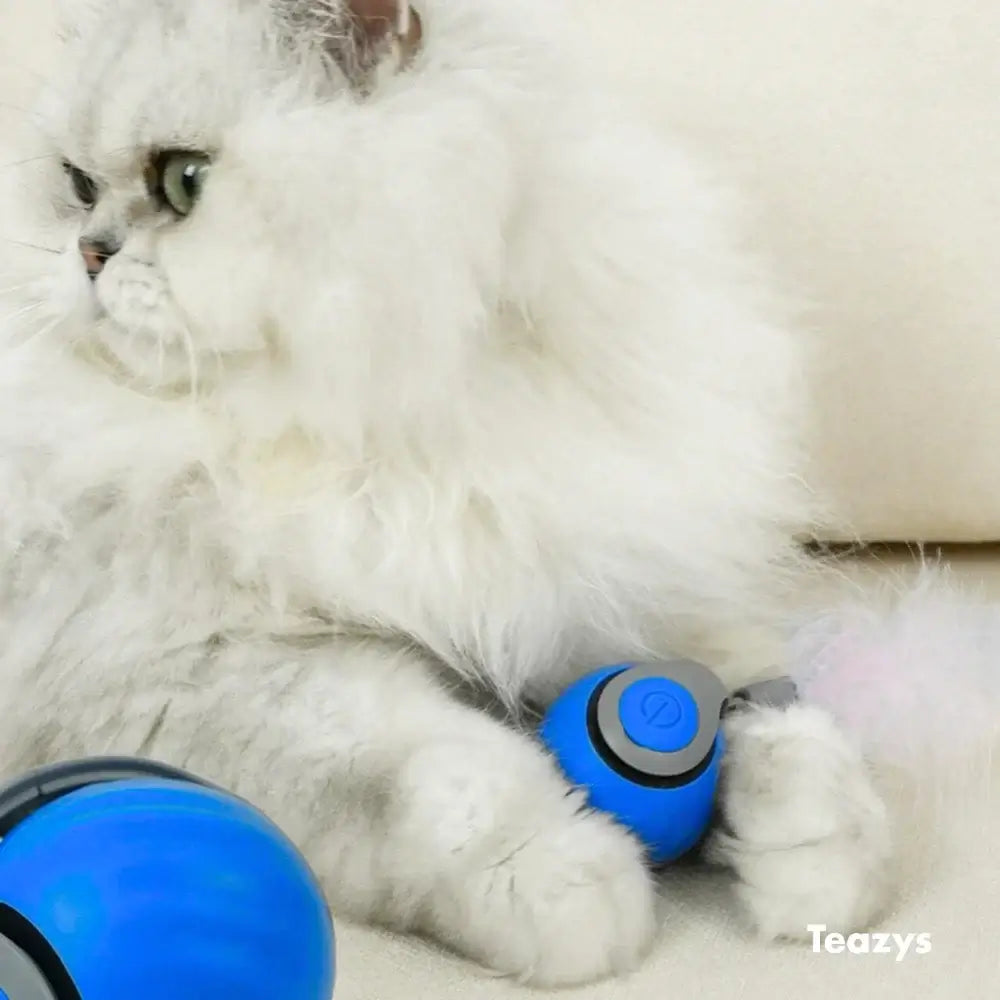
{"x": 570, "y": 903}
{"x": 804, "y": 828}
{"x": 574, "y": 903}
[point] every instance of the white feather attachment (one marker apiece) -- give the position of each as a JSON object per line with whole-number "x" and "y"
{"x": 914, "y": 673}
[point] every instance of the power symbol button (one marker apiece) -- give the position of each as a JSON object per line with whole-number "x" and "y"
{"x": 659, "y": 714}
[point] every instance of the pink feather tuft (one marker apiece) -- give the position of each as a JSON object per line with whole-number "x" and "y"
{"x": 915, "y": 677}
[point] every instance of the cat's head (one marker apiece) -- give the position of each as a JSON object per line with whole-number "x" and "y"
{"x": 296, "y": 184}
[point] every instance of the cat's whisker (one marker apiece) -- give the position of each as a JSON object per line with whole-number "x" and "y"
{"x": 28, "y": 160}
{"x": 192, "y": 356}
{"x": 29, "y": 341}
{"x": 220, "y": 366}
{"x": 44, "y": 331}
{"x": 22, "y": 67}
{"x": 161, "y": 356}
{"x": 18, "y": 314}
{"x": 130, "y": 345}
{"x": 54, "y": 155}
{"x": 32, "y": 116}
{"x": 30, "y": 246}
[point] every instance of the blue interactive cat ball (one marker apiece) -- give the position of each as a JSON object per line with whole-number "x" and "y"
{"x": 645, "y": 741}
{"x": 122, "y": 879}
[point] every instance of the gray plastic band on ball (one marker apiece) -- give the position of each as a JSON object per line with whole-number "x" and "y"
{"x": 36, "y": 789}
{"x": 776, "y": 692}
{"x": 19, "y": 976}
{"x": 704, "y": 687}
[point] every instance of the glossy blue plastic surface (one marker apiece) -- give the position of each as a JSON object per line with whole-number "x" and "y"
{"x": 669, "y": 821}
{"x": 170, "y": 891}
{"x": 659, "y": 714}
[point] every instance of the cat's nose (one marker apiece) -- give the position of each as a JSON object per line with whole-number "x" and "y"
{"x": 95, "y": 254}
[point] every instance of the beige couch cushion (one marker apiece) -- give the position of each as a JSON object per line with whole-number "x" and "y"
{"x": 868, "y": 131}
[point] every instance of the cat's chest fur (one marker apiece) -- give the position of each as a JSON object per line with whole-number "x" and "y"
{"x": 164, "y": 511}
{"x": 524, "y": 536}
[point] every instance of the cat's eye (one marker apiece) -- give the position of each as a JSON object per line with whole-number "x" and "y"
{"x": 180, "y": 177}
{"x": 84, "y": 186}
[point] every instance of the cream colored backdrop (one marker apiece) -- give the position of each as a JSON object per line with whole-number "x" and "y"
{"x": 868, "y": 133}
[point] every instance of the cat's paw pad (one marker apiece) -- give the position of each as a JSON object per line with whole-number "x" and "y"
{"x": 804, "y": 828}
{"x": 572, "y": 903}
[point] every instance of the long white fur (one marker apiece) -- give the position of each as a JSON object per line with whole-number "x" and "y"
{"x": 468, "y": 377}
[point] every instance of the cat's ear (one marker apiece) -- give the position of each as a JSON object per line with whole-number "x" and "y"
{"x": 385, "y": 36}
{"x": 365, "y": 38}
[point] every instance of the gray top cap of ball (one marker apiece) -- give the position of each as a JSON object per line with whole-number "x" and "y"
{"x": 706, "y": 690}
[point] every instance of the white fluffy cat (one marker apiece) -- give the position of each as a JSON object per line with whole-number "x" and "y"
{"x": 365, "y": 350}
